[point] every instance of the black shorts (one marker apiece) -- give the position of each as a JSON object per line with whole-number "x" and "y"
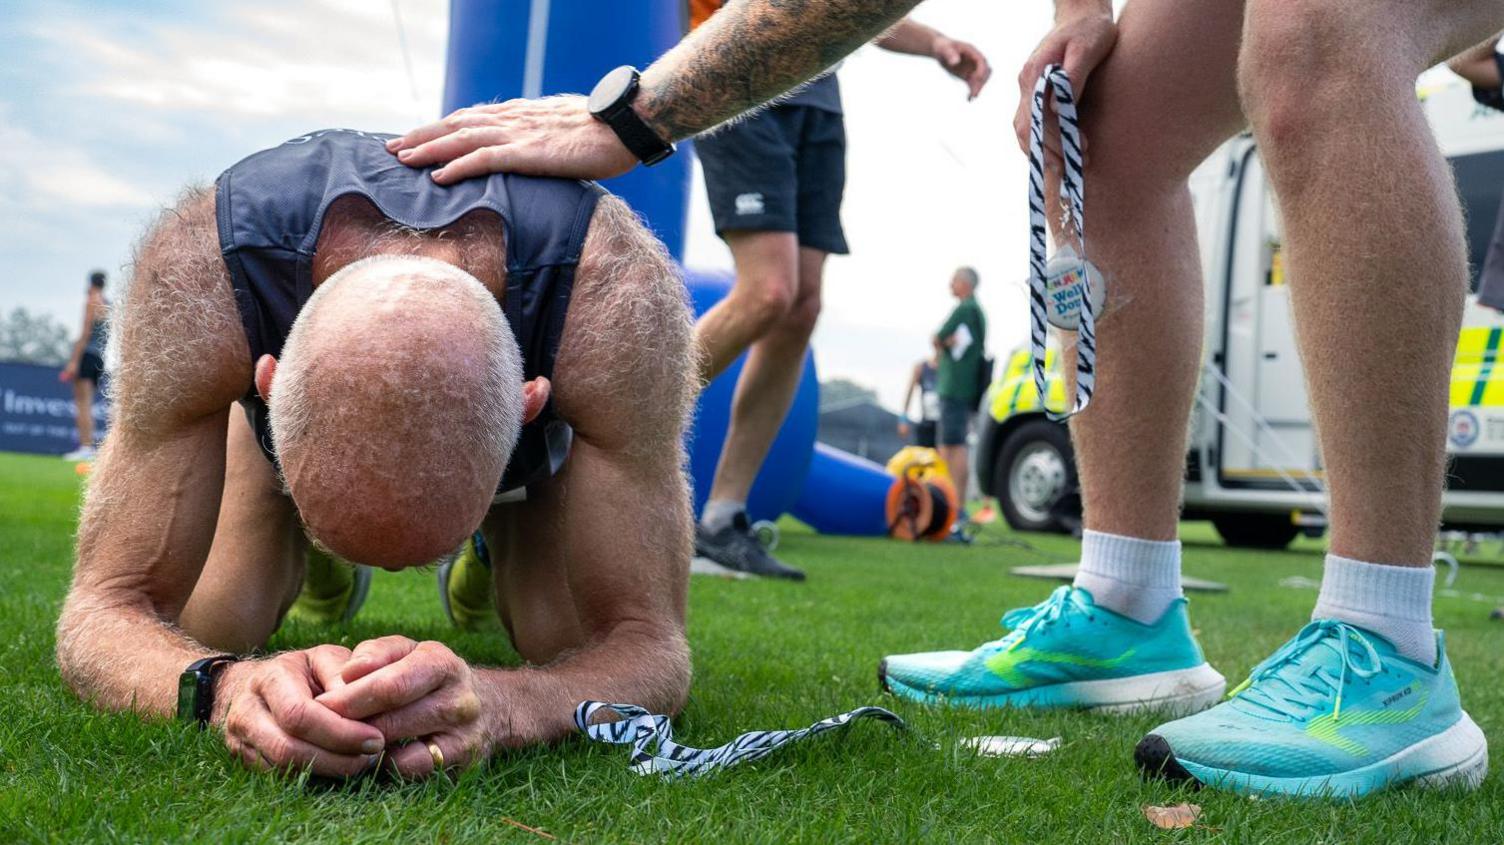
{"x": 955, "y": 419}
{"x": 924, "y": 433}
{"x": 90, "y": 367}
{"x": 782, "y": 170}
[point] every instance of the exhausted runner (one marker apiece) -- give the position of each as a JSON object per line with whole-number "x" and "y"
{"x": 404, "y": 356}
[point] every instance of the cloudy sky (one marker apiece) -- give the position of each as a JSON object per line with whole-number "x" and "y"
{"x": 108, "y": 109}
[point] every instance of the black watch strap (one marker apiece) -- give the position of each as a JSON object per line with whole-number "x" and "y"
{"x": 196, "y": 688}
{"x": 638, "y": 137}
{"x": 611, "y": 103}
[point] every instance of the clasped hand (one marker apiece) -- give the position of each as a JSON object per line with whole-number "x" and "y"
{"x": 340, "y": 712}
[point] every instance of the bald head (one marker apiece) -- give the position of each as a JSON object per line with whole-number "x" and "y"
{"x": 395, "y": 407}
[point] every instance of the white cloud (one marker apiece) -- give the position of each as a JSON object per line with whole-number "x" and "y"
{"x": 55, "y": 171}
{"x": 332, "y": 62}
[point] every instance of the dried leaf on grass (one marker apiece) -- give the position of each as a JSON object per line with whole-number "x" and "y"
{"x": 1172, "y": 818}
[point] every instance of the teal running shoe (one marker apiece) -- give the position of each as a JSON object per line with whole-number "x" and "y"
{"x": 1335, "y": 712}
{"x": 1067, "y": 652}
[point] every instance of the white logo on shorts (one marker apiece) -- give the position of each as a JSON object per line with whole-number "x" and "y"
{"x": 749, "y": 204}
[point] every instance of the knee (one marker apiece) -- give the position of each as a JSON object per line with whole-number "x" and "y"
{"x": 1305, "y": 64}
{"x": 769, "y": 300}
{"x": 803, "y": 314}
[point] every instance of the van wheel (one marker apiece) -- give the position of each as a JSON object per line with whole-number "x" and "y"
{"x": 1256, "y": 530}
{"x": 1035, "y": 471}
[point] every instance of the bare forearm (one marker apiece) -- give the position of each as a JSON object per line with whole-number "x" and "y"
{"x": 752, "y": 51}
{"x": 1067, "y": 9}
{"x": 911, "y": 37}
{"x": 635, "y": 664}
{"x": 118, "y": 655}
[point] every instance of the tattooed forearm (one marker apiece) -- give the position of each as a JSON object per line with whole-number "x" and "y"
{"x": 751, "y": 51}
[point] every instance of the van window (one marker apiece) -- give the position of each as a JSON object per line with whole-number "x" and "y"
{"x": 1480, "y": 183}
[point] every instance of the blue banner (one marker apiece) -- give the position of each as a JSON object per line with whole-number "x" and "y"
{"x": 37, "y": 412}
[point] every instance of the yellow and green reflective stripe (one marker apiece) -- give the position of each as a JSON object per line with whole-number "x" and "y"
{"x": 1473, "y": 382}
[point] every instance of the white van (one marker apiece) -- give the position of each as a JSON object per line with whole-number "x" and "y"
{"x": 1253, "y": 467}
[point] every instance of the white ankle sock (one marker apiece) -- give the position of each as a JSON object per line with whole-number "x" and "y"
{"x": 719, "y": 513}
{"x": 1137, "y": 578}
{"x": 1391, "y": 601}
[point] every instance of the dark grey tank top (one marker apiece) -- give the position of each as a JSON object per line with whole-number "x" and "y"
{"x": 270, "y": 208}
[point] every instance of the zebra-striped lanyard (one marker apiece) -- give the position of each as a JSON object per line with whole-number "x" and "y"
{"x": 654, "y": 750}
{"x": 1072, "y": 190}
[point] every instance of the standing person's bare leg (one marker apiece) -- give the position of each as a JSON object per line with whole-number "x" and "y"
{"x": 83, "y": 399}
{"x": 1160, "y": 103}
{"x": 782, "y": 320}
{"x": 1375, "y": 249}
{"x": 1362, "y": 697}
{"x": 767, "y": 280}
{"x": 767, "y": 385}
{"x": 955, "y": 462}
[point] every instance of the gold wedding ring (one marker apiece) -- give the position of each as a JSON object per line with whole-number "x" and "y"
{"x": 437, "y": 754}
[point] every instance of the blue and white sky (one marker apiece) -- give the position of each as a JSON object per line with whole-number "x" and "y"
{"x": 108, "y": 109}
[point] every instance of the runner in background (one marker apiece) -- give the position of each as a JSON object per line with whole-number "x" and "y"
{"x": 923, "y": 379}
{"x": 86, "y": 367}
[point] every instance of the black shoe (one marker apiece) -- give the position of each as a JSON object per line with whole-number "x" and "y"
{"x": 734, "y": 547}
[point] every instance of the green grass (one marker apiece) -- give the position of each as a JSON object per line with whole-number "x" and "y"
{"x": 766, "y": 655}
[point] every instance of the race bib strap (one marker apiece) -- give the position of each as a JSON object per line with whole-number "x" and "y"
{"x": 1054, "y": 82}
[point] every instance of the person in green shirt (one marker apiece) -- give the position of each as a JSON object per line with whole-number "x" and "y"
{"x": 960, "y": 344}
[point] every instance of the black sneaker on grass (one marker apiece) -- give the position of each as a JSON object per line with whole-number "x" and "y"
{"x": 734, "y": 547}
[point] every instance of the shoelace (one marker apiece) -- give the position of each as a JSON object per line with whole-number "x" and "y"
{"x": 1289, "y": 693}
{"x": 1020, "y": 621}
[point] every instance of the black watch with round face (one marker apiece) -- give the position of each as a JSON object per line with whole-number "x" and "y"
{"x": 196, "y": 688}
{"x": 611, "y": 103}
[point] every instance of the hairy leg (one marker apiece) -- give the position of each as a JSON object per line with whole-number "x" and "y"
{"x": 255, "y": 565}
{"x": 767, "y": 280}
{"x": 767, "y": 385}
{"x": 83, "y": 399}
{"x": 1375, "y": 244}
{"x": 1162, "y": 101}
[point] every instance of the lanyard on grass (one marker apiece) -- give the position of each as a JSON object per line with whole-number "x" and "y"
{"x": 1054, "y": 82}
{"x": 654, "y": 750}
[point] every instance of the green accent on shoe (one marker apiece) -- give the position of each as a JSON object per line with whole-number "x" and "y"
{"x": 1067, "y": 651}
{"x": 333, "y": 590}
{"x": 467, "y": 592}
{"x": 1336, "y": 711}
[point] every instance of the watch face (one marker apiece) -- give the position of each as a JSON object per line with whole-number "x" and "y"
{"x": 611, "y": 89}
{"x": 187, "y": 695}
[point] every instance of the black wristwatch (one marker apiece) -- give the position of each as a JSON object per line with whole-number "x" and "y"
{"x": 196, "y": 688}
{"x": 611, "y": 103}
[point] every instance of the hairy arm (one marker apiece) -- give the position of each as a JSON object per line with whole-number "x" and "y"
{"x": 750, "y": 52}
{"x": 746, "y": 54}
{"x": 149, "y": 513}
{"x": 625, "y": 382}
